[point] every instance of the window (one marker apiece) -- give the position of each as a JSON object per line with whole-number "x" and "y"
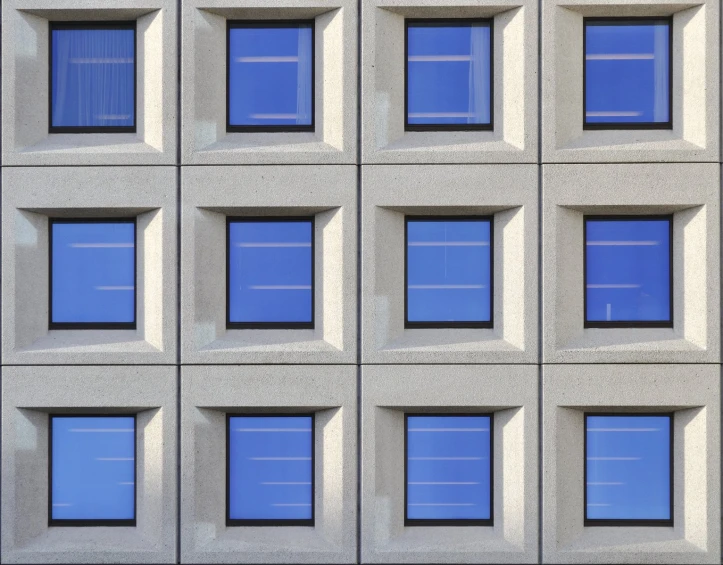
{"x": 92, "y": 470}
{"x": 270, "y": 273}
{"x": 448, "y": 470}
{"x": 628, "y": 469}
{"x": 92, "y": 274}
{"x": 628, "y": 73}
{"x": 92, "y": 77}
{"x": 448, "y": 75}
{"x": 270, "y": 470}
{"x": 628, "y": 271}
{"x": 448, "y": 272}
{"x": 270, "y": 76}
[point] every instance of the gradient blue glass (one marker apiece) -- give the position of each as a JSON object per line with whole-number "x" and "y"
{"x": 270, "y": 468}
{"x": 448, "y": 271}
{"x": 270, "y": 76}
{"x": 93, "y": 77}
{"x": 628, "y": 467}
{"x": 627, "y": 71}
{"x": 270, "y": 271}
{"x": 93, "y": 468}
{"x": 93, "y": 272}
{"x": 628, "y": 270}
{"x": 449, "y": 74}
{"x": 448, "y": 468}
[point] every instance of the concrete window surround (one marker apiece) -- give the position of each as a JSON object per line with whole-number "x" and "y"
{"x": 151, "y": 394}
{"x": 696, "y": 56}
{"x": 25, "y": 63}
{"x": 692, "y": 393}
{"x": 507, "y": 191}
{"x": 208, "y": 394}
{"x": 203, "y": 83}
{"x": 570, "y": 192}
{"x": 514, "y": 139}
{"x": 31, "y": 196}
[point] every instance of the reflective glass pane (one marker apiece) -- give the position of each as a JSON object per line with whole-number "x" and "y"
{"x": 628, "y": 467}
{"x": 448, "y": 468}
{"x": 93, "y": 468}
{"x": 270, "y": 467}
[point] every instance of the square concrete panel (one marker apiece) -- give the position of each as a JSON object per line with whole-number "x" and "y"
{"x": 391, "y": 193}
{"x": 25, "y": 107}
{"x": 28, "y": 399}
{"x": 692, "y": 393}
{"x": 33, "y": 195}
{"x": 690, "y": 192}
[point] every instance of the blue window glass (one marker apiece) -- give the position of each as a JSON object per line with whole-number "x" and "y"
{"x": 270, "y": 273}
{"x": 93, "y": 76}
{"x": 449, "y": 74}
{"x": 449, "y": 468}
{"x": 449, "y": 265}
{"x": 271, "y": 76}
{"x": 93, "y": 273}
{"x": 270, "y": 469}
{"x": 93, "y": 469}
{"x": 628, "y": 464}
{"x": 627, "y": 72}
{"x": 628, "y": 271}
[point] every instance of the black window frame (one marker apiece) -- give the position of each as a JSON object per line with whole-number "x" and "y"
{"x": 92, "y": 25}
{"x": 85, "y": 523}
{"x": 442, "y": 325}
{"x": 631, "y": 522}
{"x": 255, "y": 522}
{"x": 625, "y": 323}
{"x": 270, "y": 325}
{"x": 637, "y": 20}
{"x": 243, "y": 24}
{"x": 448, "y": 22}
{"x": 92, "y": 325}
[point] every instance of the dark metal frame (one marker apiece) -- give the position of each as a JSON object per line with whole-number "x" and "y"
{"x": 92, "y": 523}
{"x": 436, "y": 325}
{"x": 92, "y": 25}
{"x": 634, "y": 522}
{"x": 447, "y": 22}
{"x": 453, "y": 522}
{"x": 623, "y": 22}
{"x": 230, "y": 522}
{"x": 241, "y": 24}
{"x": 628, "y": 324}
{"x": 92, "y": 325}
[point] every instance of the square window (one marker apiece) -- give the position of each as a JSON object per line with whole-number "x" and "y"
{"x": 628, "y": 469}
{"x": 627, "y": 76}
{"x": 448, "y": 272}
{"x": 448, "y": 75}
{"x": 93, "y": 77}
{"x": 92, "y": 471}
{"x": 628, "y": 271}
{"x": 93, "y": 274}
{"x": 270, "y": 76}
{"x": 270, "y": 470}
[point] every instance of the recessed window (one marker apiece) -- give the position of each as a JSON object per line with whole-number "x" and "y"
{"x": 270, "y": 76}
{"x": 92, "y": 77}
{"x": 628, "y": 73}
{"x": 270, "y": 273}
{"x": 92, "y": 471}
{"x": 628, "y": 271}
{"x": 448, "y": 75}
{"x": 629, "y": 469}
{"x": 448, "y": 470}
{"x": 448, "y": 272}
{"x": 270, "y": 471}
{"x": 92, "y": 274}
